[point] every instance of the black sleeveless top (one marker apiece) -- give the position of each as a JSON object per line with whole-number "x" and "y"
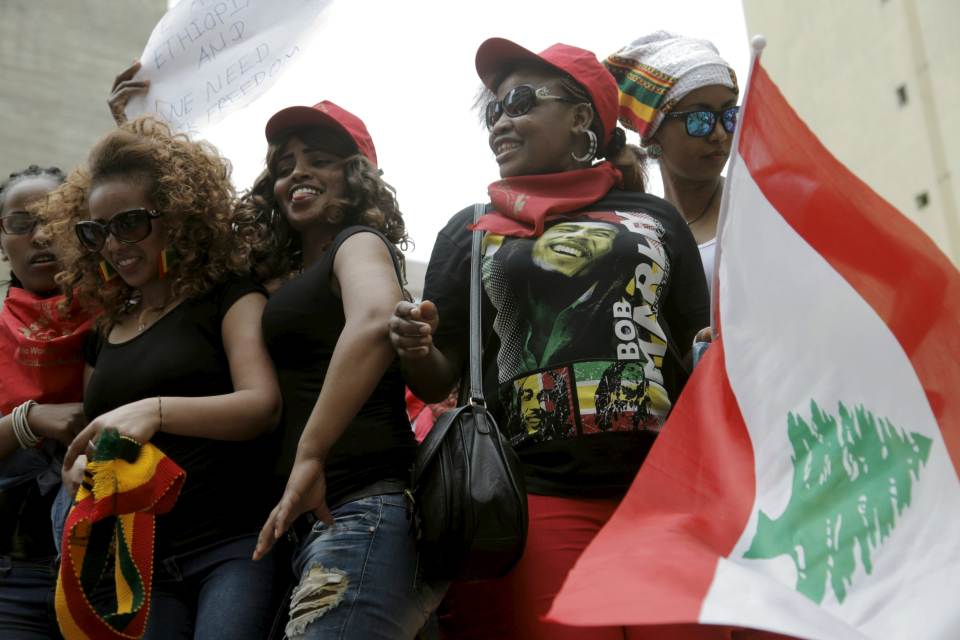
{"x": 301, "y": 325}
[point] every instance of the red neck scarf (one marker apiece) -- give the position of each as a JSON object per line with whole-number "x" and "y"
{"x": 523, "y": 204}
{"x": 41, "y": 350}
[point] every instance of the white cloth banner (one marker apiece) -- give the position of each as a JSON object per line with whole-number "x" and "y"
{"x": 208, "y": 58}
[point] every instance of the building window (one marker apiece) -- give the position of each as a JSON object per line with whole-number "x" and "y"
{"x": 923, "y": 199}
{"x": 902, "y": 94}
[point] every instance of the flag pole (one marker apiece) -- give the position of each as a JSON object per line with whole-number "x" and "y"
{"x": 757, "y": 44}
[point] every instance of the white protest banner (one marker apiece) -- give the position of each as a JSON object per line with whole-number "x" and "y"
{"x": 208, "y": 58}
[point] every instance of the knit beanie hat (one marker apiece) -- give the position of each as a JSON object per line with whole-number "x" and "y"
{"x": 656, "y": 71}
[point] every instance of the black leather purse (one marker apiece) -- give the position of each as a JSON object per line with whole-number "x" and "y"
{"x": 468, "y": 496}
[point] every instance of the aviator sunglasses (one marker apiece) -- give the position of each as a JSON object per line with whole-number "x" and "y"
{"x": 127, "y": 226}
{"x": 700, "y": 123}
{"x": 518, "y": 101}
{"x": 19, "y": 223}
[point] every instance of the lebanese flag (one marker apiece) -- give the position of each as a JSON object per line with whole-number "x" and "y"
{"x": 806, "y": 481}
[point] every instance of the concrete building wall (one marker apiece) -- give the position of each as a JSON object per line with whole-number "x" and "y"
{"x": 58, "y": 59}
{"x": 877, "y": 81}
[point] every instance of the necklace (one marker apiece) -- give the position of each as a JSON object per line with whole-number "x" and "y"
{"x": 707, "y": 207}
{"x": 142, "y": 318}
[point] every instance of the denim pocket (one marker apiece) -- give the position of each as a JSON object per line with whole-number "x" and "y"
{"x": 357, "y": 516}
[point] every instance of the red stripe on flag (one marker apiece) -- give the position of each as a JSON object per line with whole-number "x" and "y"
{"x": 891, "y": 263}
{"x": 653, "y": 563}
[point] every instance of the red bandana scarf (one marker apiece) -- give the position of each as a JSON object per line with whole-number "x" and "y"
{"x": 523, "y": 204}
{"x": 42, "y": 350}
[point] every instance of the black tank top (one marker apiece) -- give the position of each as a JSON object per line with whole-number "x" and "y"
{"x": 301, "y": 325}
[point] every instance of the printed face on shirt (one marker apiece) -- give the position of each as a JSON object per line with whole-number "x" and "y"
{"x": 31, "y": 258}
{"x": 539, "y": 141}
{"x": 309, "y": 179}
{"x": 696, "y": 158}
{"x": 572, "y": 248}
{"x": 137, "y": 263}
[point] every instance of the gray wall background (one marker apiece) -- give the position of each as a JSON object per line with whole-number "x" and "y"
{"x": 58, "y": 59}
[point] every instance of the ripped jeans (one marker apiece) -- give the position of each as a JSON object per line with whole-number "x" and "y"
{"x": 359, "y": 578}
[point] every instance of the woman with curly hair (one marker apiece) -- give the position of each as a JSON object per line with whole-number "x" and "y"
{"x": 41, "y": 383}
{"x": 334, "y": 224}
{"x": 178, "y": 361}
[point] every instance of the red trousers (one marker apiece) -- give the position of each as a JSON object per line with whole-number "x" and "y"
{"x": 514, "y": 606}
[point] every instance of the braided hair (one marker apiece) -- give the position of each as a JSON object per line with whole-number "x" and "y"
{"x": 30, "y": 172}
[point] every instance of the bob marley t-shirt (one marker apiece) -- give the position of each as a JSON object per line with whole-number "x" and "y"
{"x": 577, "y": 324}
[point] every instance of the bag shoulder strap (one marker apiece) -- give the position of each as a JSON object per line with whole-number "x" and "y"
{"x": 476, "y": 329}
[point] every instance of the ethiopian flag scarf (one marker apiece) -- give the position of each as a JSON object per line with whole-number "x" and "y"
{"x": 108, "y": 540}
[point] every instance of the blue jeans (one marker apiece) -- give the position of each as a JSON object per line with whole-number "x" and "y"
{"x": 217, "y": 592}
{"x": 26, "y": 599}
{"x": 359, "y": 578}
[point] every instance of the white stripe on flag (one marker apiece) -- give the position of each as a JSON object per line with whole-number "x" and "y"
{"x": 795, "y": 331}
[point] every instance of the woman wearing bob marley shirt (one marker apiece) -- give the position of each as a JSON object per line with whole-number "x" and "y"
{"x": 586, "y": 285}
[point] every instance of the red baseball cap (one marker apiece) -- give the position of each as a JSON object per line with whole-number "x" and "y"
{"x": 323, "y": 114}
{"x": 499, "y": 54}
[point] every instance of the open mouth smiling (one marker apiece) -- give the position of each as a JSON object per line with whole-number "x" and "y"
{"x": 302, "y": 192}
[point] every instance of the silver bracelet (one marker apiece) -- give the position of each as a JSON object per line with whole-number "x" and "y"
{"x": 21, "y": 427}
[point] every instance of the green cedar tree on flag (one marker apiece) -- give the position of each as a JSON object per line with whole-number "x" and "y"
{"x": 806, "y": 482}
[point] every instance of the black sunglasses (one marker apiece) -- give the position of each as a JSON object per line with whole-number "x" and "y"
{"x": 701, "y": 123}
{"x": 127, "y": 226}
{"x": 518, "y": 101}
{"x": 19, "y": 223}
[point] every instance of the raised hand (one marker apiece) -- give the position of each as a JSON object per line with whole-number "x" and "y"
{"x": 124, "y": 88}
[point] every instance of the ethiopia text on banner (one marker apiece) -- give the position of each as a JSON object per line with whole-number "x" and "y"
{"x": 206, "y": 59}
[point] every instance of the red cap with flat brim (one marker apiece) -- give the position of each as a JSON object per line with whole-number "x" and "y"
{"x": 323, "y": 114}
{"x": 497, "y": 55}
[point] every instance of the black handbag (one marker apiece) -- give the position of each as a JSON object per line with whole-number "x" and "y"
{"x": 467, "y": 492}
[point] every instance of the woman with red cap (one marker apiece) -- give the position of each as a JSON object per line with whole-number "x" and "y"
{"x": 593, "y": 293}
{"x": 330, "y": 231}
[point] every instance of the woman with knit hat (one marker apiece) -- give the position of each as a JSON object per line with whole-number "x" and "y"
{"x": 681, "y": 97}
{"x": 593, "y": 293}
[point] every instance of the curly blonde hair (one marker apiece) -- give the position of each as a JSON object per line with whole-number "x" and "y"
{"x": 275, "y": 246}
{"x": 187, "y": 181}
